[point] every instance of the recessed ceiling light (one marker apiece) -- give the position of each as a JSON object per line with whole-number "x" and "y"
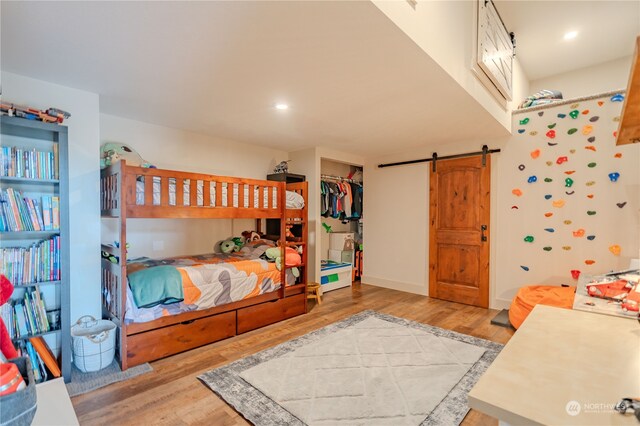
{"x": 281, "y": 106}
{"x": 570, "y": 35}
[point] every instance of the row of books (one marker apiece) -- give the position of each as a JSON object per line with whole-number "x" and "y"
{"x": 20, "y": 213}
{"x": 32, "y": 164}
{"x": 27, "y": 265}
{"x": 42, "y": 359}
{"x": 26, "y": 316}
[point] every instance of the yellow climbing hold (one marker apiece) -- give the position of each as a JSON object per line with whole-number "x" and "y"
{"x": 558, "y": 203}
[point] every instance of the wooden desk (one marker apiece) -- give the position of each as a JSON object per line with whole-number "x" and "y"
{"x": 54, "y": 405}
{"x": 558, "y": 356}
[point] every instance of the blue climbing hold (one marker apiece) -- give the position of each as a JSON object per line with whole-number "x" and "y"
{"x": 549, "y": 229}
{"x": 614, "y": 176}
{"x": 532, "y": 179}
{"x": 547, "y": 197}
{"x": 526, "y": 268}
{"x": 520, "y": 131}
{"x": 591, "y": 237}
{"x": 562, "y": 115}
{"x": 617, "y": 98}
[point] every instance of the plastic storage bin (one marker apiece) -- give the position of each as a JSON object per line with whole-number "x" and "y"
{"x": 334, "y": 275}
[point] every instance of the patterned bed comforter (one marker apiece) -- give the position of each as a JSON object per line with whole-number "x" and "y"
{"x": 180, "y": 284}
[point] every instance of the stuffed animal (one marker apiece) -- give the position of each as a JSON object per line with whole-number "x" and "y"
{"x": 282, "y": 167}
{"x": 292, "y": 258}
{"x": 6, "y": 346}
{"x": 231, "y": 245}
{"x": 250, "y": 236}
{"x": 111, "y": 153}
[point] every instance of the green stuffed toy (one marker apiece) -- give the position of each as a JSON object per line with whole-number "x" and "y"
{"x": 274, "y": 254}
{"x": 231, "y": 245}
{"x": 111, "y": 153}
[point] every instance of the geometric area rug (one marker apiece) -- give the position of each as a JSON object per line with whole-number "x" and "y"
{"x": 369, "y": 369}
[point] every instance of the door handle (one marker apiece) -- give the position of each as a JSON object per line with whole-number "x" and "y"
{"x": 483, "y": 237}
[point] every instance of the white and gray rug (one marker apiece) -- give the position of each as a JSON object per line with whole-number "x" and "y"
{"x": 370, "y": 369}
{"x": 86, "y": 382}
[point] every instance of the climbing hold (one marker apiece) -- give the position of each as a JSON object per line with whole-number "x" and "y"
{"x": 551, "y": 134}
{"x": 614, "y": 176}
{"x": 567, "y": 222}
{"x": 549, "y": 163}
{"x": 532, "y": 179}
{"x": 592, "y": 139}
{"x": 589, "y": 195}
{"x": 558, "y": 203}
{"x": 575, "y": 274}
{"x": 562, "y": 115}
{"x": 535, "y": 154}
{"x": 618, "y": 155}
{"x": 533, "y": 133}
{"x": 587, "y": 129}
{"x": 548, "y": 214}
{"x": 576, "y": 105}
{"x": 615, "y": 249}
{"x": 572, "y": 151}
{"x": 516, "y": 192}
{"x": 541, "y": 113}
{"x": 521, "y": 131}
{"x": 547, "y": 248}
{"x": 621, "y": 205}
{"x": 561, "y": 160}
{"x": 615, "y": 134}
{"x": 528, "y": 239}
{"x": 591, "y": 212}
{"x": 594, "y": 119}
{"x": 548, "y": 196}
{"x": 617, "y": 98}
{"x": 569, "y": 172}
{"x": 592, "y": 148}
{"x": 514, "y": 207}
{"x": 552, "y": 125}
{"x": 589, "y": 262}
{"x": 572, "y": 131}
{"x": 570, "y": 192}
{"x": 578, "y": 233}
{"x": 548, "y": 180}
{"x": 600, "y": 103}
{"x": 568, "y": 183}
{"x": 552, "y": 143}
{"x": 521, "y": 167}
{"x": 526, "y": 268}
{"x": 591, "y": 165}
{"x": 550, "y": 230}
{"x": 616, "y": 119}
{"x": 591, "y": 237}
{"x": 574, "y": 114}
{"x": 590, "y": 183}
{"x": 585, "y": 112}
{"x": 566, "y": 248}
{"x": 524, "y": 121}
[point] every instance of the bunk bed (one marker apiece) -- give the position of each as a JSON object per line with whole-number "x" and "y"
{"x": 129, "y": 192}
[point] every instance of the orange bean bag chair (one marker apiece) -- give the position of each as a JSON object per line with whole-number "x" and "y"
{"x": 529, "y": 296}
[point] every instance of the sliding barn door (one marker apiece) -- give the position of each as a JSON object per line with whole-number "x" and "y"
{"x": 459, "y": 231}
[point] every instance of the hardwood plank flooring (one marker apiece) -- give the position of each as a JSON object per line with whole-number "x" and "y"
{"x": 171, "y": 394}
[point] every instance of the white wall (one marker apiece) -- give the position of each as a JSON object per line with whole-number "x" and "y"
{"x": 84, "y": 172}
{"x": 175, "y": 149}
{"x": 445, "y": 30}
{"x": 608, "y": 76}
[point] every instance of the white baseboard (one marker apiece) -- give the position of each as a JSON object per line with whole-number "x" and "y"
{"x": 500, "y": 304}
{"x": 396, "y": 285}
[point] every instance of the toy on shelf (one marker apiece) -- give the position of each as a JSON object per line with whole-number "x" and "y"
{"x": 282, "y": 167}
{"x": 111, "y": 153}
{"x": 50, "y": 115}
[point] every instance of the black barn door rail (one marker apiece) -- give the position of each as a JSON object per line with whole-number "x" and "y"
{"x": 434, "y": 158}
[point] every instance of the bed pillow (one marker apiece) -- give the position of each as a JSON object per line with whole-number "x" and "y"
{"x": 255, "y": 249}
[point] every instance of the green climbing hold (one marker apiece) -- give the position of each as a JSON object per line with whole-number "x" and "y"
{"x": 591, "y": 212}
{"x": 525, "y": 121}
{"x": 592, "y": 165}
{"x": 551, "y": 126}
{"x": 548, "y": 180}
{"x": 572, "y": 131}
{"x": 568, "y": 182}
{"x": 574, "y": 114}
{"x": 547, "y": 248}
{"x": 528, "y": 239}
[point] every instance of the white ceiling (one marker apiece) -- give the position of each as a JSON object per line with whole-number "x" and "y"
{"x": 355, "y": 82}
{"x": 606, "y": 30}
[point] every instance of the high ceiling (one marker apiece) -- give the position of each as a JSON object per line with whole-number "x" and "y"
{"x": 606, "y": 31}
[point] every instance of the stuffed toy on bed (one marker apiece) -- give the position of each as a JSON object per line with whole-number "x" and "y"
{"x": 292, "y": 258}
{"x": 111, "y": 153}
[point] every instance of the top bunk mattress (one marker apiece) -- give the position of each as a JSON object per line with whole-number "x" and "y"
{"x": 294, "y": 200}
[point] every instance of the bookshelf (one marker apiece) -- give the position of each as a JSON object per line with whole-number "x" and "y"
{"x": 34, "y": 237}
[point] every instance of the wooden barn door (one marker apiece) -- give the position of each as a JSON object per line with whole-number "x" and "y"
{"x": 459, "y": 230}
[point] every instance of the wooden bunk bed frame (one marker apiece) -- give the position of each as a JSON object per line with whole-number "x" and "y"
{"x": 148, "y": 341}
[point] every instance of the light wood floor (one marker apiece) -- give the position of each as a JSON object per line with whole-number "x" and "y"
{"x": 171, "y": 394}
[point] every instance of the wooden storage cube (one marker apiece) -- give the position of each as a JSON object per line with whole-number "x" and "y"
{"x": 263, "y": 314}
{"x": 165, "y": 341}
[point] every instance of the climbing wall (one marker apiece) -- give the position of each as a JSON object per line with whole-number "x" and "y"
{"x": 570, "y": 203}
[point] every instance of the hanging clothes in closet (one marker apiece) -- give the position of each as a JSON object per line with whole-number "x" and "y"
{"x": 341, "y": 200}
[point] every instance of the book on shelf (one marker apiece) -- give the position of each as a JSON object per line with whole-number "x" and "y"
{"x": 37, "y": 263}
{"x": 25, "y": 163}
{"x": 45, "y": 354}
{"x": 28, "y": 349}
{"x": 21, "y": 213}
{"x": 26, "y": 316}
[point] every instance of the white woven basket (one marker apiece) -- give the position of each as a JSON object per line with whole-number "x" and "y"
{"x": 94, "y": 343}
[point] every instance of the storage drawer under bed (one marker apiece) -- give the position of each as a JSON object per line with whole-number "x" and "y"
{"x": 165, "y": 341}
{"x": 257, "y": 316}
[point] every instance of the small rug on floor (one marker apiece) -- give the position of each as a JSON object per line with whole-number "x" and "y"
{"x": 370, "y": 368}
{"x": 86, "y": 382}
